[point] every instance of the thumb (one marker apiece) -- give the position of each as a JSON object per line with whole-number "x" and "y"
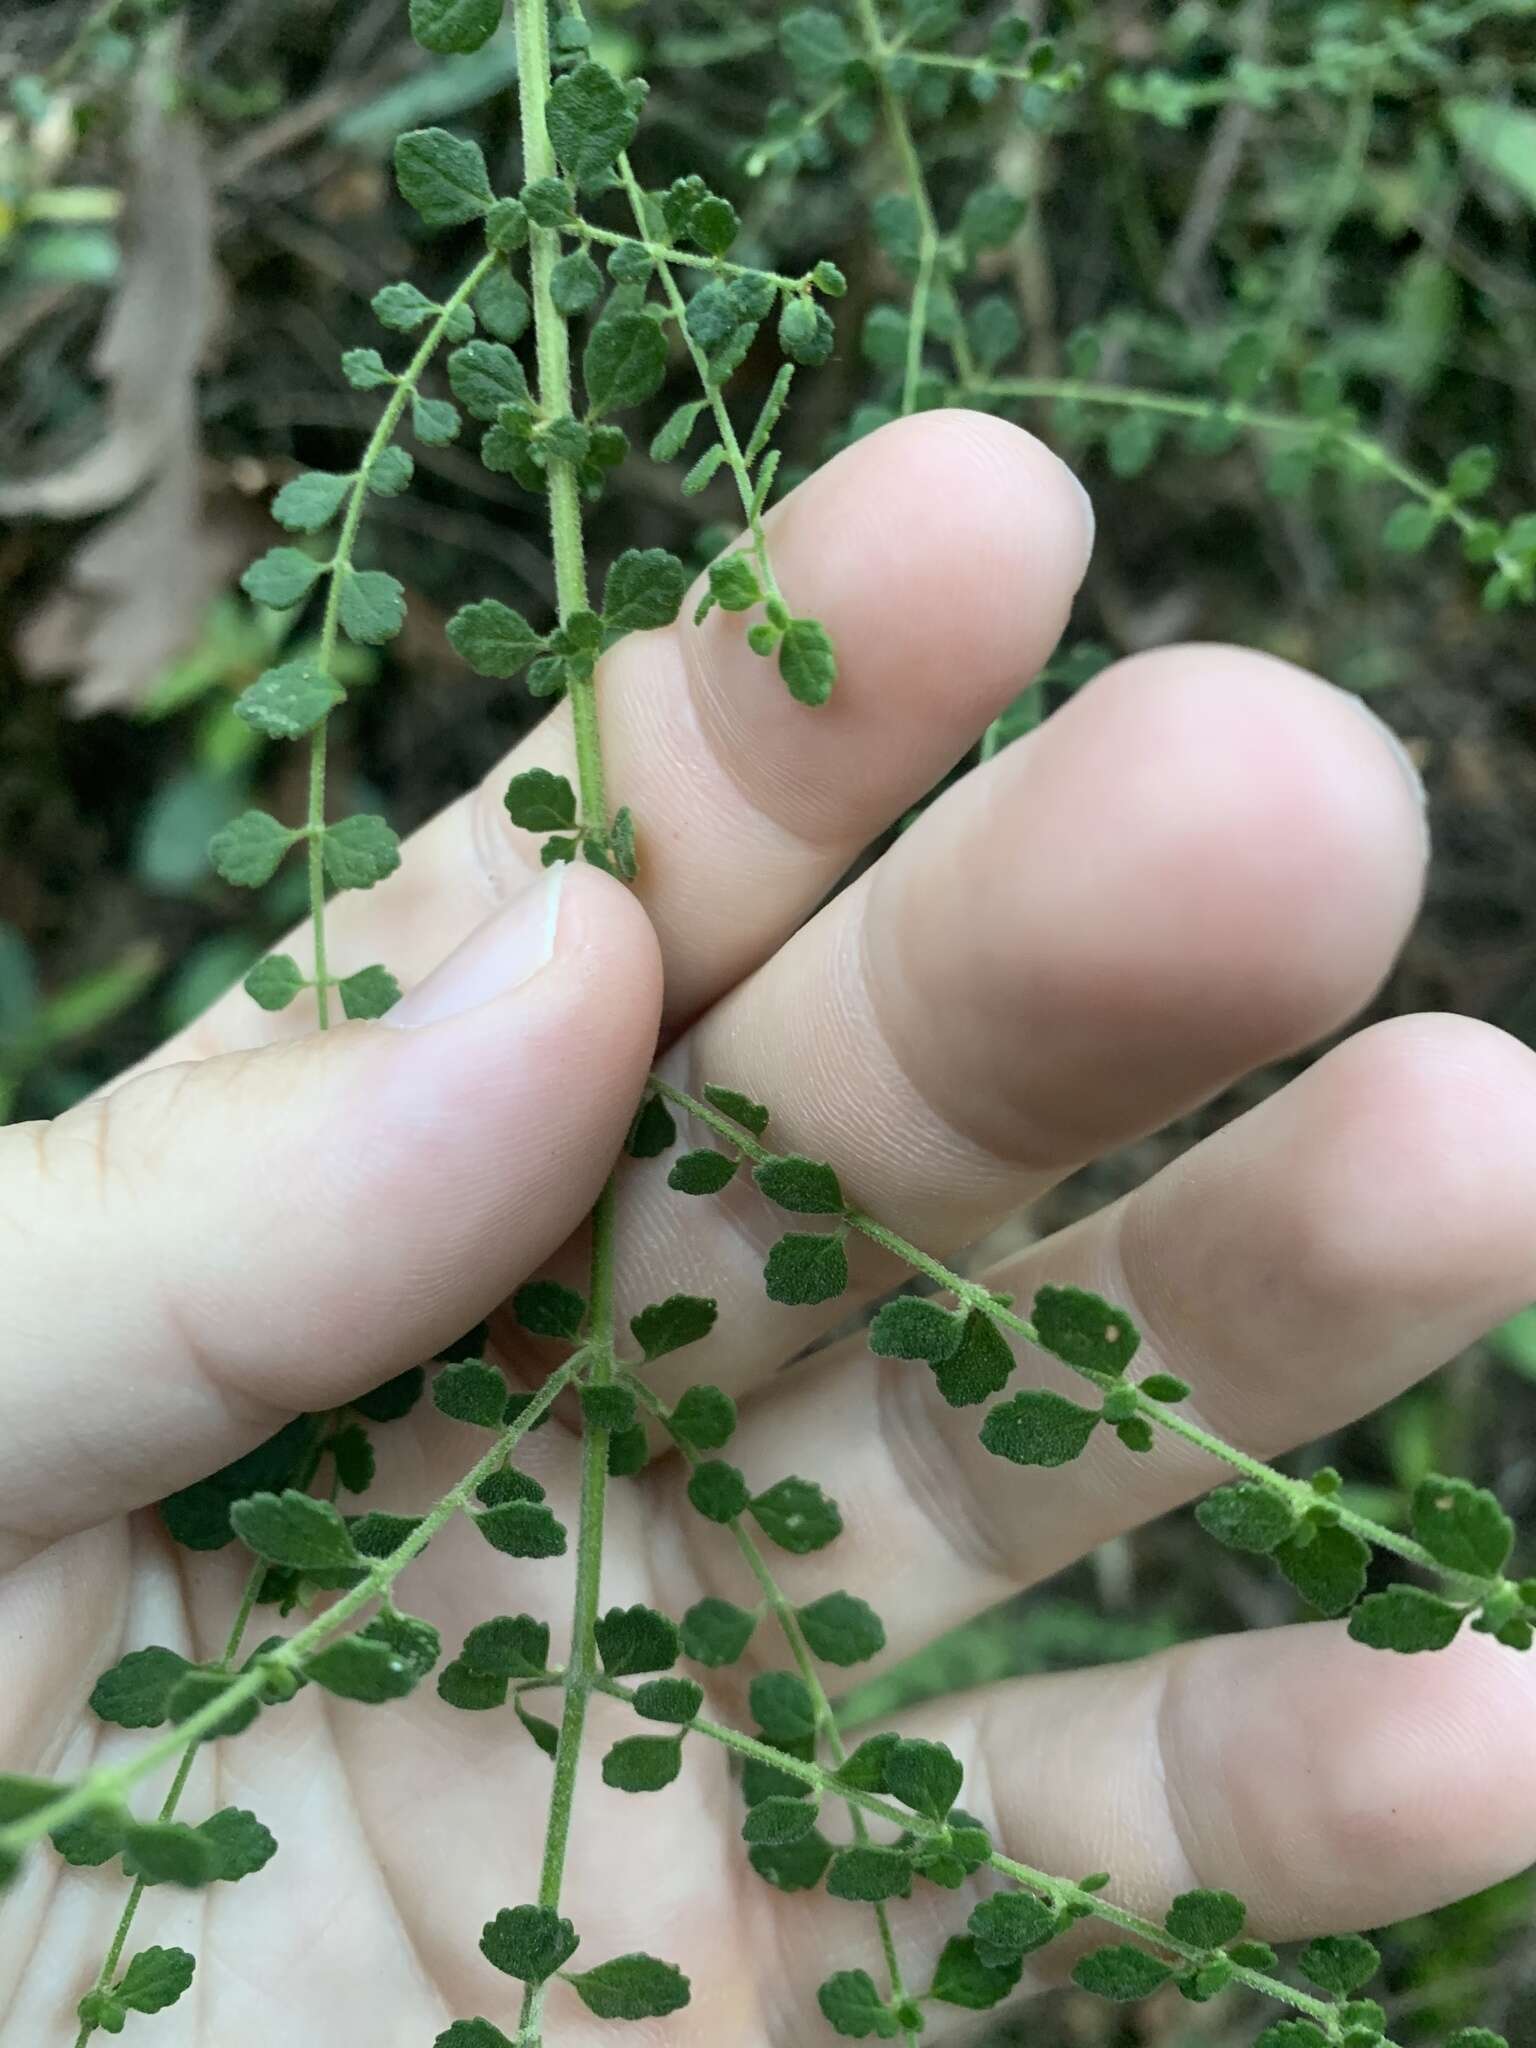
{"x": 191, "y": 1259}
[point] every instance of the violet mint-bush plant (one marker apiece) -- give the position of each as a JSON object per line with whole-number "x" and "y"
{"x": 581, "y": 289}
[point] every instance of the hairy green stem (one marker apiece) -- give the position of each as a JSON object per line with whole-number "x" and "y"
{"x": 1297, "y": 1492}
{"x": 735, "y": 459}
{"x": 583, "y": 1665}
{"x": 784, "y": 1614}
{"x": 879, "y": 53}
{"x": 172, "y": 1800}
{"x": 106, "y": 1786}
{"x": 1058, "y": 1891}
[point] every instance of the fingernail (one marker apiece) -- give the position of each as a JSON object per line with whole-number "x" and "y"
{"x": 1400, "y": 755}
{"x": 506, "y": 951}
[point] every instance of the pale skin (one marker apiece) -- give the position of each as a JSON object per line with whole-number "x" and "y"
{"x": 1206, "y": 862}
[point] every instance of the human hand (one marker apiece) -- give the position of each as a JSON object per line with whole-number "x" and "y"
{"x": 1205, "y": 862}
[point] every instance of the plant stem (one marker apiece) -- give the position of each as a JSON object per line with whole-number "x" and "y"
{"x": 553, "y": 348}
{"x": 735, "y": 459}
{"x": 341, "y": 563}
{"x": 1059, "y": 1891}
{"x": 172, "y": 1800}
{"x": 106, "y": 1786}
{"x": 1297, "y": 1492}
{"x": 582, "y": 1667}
{"x": 794, "y": 1635}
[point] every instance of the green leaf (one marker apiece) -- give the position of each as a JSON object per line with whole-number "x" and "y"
{"x": 274, "y": 982}
{"x": 669, "y": 1699}
{"x": 544, "y": 1733}
{"x": 460, "y": 1685}
{"x": 803, "y": 1270}
{"x": 676, "y": 433}
{"x": 506, "y": 226}
{"x": 309, "y": 502}
{"x": 395, "y": 1398}
{"x": 471, "y": 1392}
{"x": 1339, "y": 1963}
{"x": 372, "y": 607}
{"x": 807, "y": 661}
{"x": 1012, "y": 1924}
{"x": 366, "y": 370}
{"x": 416, "y": 1641}
{"x": 1501, "y": 137}
{"x": 842, "y": 1629}
{"x": 669, "y": 1325}
{"x": 434, "y": 422}
{"x": 740, "y": 1109}
{"x": 454, "y": 26}
{"x": 803, "y": 1185}
{"x": 1163, "y": 1386}
{"x": 575, "y": 283}
{"x": 1411, "y": 528}
{"x": 1122, "y": 1973}
{"x": 864, "y": 1769}
{"x": 704, "y": 1172}
{"x": 22, "y": 1796}
{"x": 624, "y": 362}
{"x": 815, "y": 44}
{"x": 442, "y": 177}
{"x": 990, "y": 217}
{"x": 1462, "y": 1526}
{"x": 504, "y": 307}
{"x": 634, "y": 1987}
{"x": 484, "y": 377}
{"x": 472, "y": 2034}
{"x": 782, "y": 1706}
{"x": 521, "y": 1528}
{"x": 591, "y": 122}
{"x": 913, "y": 1327}
{"x": 633, "y": 1639}
{"x": 850, "y": 2004}
{"x": 653, "y": 1130}
{"x": 380, "y": 1535}
{"x": 792, "y": 1866}
{"x": 529, "y": 1942}
{"x": 609, "y": 1407}
{"x": 370, "y": 992}
{"x": 548, "y": 203}
{"x": 359, "y": 851}
{"x": 391, "y": 472}
{"x": 704, "y": 1418}
{"x": 962, "y": 1978}
{"x": 797, "y": 1516}
{"x": 356, "y": 1668}
{"x": 1247, "y": 1516}
{"x": 980, "y": 1365}
{"x": 402, "y": 308}
{"x": 546, "y": 1309}
{"x": 1039, "y": 1428}
{"x": 494, "y": 639}
{"x": 92, "y": 1839}
{"x": 1206, "y": 1919}
{"x": 644, "y": 590}
{"x": 168, "y": 1852}
{"x": 869, "y": 1874}
{"x": 136, "y": 1691}
{"x": 1084, "y": 1330}
{"x": 197, "y": 1689}
{"x": 643, "y": 1763}
{"x": 925, "y": 1776}
{"x": 716, "y": 1633}
{"x": 1405, "y": 1618}
{"x": 540, "y": 801}
{"x": 154, "y": 1979}
{"x": 714, "y": 224}
{"x": 289, "y": 701}
{"x": 509, "y": 1646}
{"x": 779, "y": 1821}
{"x": 806, "y": 335}
{"x": 733, "y": 583}
{"x": 1329, "y": 1572}
{"x": 717, "y": 1491}
{"x": 282, "y": 578}
{"x": 305, "y": 1534}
